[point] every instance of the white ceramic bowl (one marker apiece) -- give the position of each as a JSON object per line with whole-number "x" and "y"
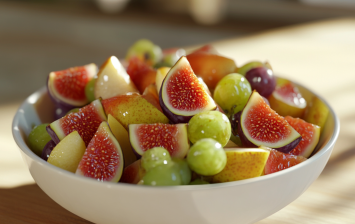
{"x": 245, "y": 201}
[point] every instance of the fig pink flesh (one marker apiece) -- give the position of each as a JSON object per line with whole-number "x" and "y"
{"x": 86, "y": 122}
{"x": 290, "y": 94}
{"x": 264, "y": 124}
{"x": 279, "y": 161}
{"x": 101, "y": 158}
{"x": 185, "y": 91}
{"x": 70, "y": 83}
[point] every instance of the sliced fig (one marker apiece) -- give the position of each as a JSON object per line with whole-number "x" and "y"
{"x": 86, "y": 121}
{"x": 103, "y": 158}
{"x": 172, "y": 137}
{"x": 310, "y": 136}
{"x": 67, "y": 87}
{"x": 182, "y": 95}
{"x": 278, "y": 161}
{"x": 260, "y": 125}
{"x": 48, "y": 148}
{"x": 287, "y": 100}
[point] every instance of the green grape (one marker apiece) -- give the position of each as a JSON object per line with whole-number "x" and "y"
{"x": 38, "y": 138}
{"x": 184, "y": 170}
{"x": 154, "y": 157}
{"x": 146, "y": 51}
{"x": 232, "y": 93}
{"x": 198, "y": 182}
{"x": 89, "y": 90}
{"x": 209, "y": 124}
{"x": 207, "y": 157}
{"x": 248, "y": 66}
{"x": 163, "y": 175}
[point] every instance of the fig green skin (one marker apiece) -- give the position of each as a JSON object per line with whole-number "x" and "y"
{"x": 207, "y": 157}
{"x": 89, "y": 90}
{"x": 209, "y": 124}
{"x": 163, "y": 175}
{"x": 184, "y": 170}
{"x": 38, "y": 138}
{"x": 232, "y": 93}
{"x": 154, "y": 157}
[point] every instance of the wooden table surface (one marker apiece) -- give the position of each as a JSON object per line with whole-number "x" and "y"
{"x": 319, "y": 55}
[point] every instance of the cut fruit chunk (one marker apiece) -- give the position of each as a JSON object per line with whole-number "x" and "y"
{"x": 182, "y": 95}
{"x": 67, "y": 87}
{"x": 242, "y": 163}
{"x": 287, "y": 100}
{"x": 103, "y": 158}
{"x": 211, "y": 67}
{"x": 171, "y": 137}
{"x": 141, "y": 73}
{"x": 86, "y": 121}
{"x": 316, "y": 112}
{"x": 113, "y": 80}
{"x": 279, "y": 161}
{"x": 133, "y": 173}
{"x": 133, "y": 109}
{"x": 122, "y": 137}
{"x": 161, "y": 73}
{"x": 151, "y": 95}
{"x": 260, "y": 125}
{"x": 310, "y": 136}
{"x": 68, "y": 153}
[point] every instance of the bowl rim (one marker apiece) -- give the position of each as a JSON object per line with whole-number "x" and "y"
{"x": 25, "y": 149}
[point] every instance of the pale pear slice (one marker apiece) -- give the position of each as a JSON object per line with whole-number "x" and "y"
{"x": 121, "y": 135}
{"x": 242, "y": 163}
{"x": 68, "y": 152}
{"x": 113, "y": 80}
{"x": 159, "y": 77}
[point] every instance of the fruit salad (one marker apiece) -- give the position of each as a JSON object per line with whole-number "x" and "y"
{"x": 171, "y": 117}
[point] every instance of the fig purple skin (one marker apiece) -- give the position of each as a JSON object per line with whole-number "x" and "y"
{"x": 47, "y": 150}
{"x": 285, "y": 149}
{"x": 52, "y": 134}
{"x": 62, "y": 108}
{"x": 262, "y": 80}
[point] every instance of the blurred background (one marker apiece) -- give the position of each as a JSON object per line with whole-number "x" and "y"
{"x": 39, "y": 36}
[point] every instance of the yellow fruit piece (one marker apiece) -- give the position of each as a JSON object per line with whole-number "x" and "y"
{"x": 242, "y": 163}
{"x": 161, "y": 73}
{"x": 316, "y": 112}
{"x": 121, "y": 135}
{"x": 68, "y": 152}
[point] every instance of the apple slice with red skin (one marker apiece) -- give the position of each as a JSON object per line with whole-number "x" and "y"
{"x": 141, "y": 73}
{"x": 211, "y": 67}
{"x": 133, "y": 109}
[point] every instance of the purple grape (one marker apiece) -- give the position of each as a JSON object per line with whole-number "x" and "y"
{"x": 261, "y": 79}
{"x": 48, "y": 149}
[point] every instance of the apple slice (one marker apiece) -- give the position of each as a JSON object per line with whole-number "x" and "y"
{"x": 121, "y": 135}
{"x": 68, "y": 152}
{"x": 242, "y": 163}
{"x": 113, "y": 80}
{"x": 133, "y": 109}
{"x": 161, "y": 73}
